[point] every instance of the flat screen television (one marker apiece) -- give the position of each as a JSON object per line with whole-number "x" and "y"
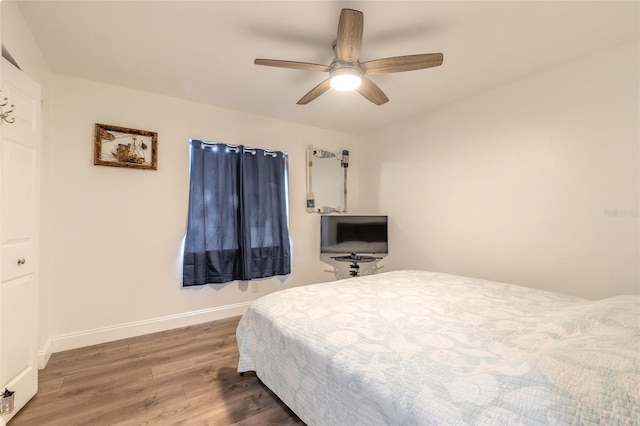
{"x": 353, "y": 234}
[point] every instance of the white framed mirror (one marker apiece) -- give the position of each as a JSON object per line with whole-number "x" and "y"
{"x": 326, "y": 180}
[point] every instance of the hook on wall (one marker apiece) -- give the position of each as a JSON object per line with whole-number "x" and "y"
{"x": 4, "y": 115}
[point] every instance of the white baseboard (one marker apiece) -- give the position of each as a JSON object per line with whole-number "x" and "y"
{"x": 44, "y": 354}
{"x": 137, "y": 328}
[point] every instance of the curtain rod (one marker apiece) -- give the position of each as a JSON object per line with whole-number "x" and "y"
{"x": 247, "y": 149}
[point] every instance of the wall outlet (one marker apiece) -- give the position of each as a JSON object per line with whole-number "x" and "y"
{"x": 254, "y": 287}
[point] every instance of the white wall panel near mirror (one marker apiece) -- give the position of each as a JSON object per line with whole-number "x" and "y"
{"x": 326, "y": 180}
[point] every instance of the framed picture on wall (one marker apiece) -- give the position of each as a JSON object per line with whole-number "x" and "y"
{"x": 123, "y": 147}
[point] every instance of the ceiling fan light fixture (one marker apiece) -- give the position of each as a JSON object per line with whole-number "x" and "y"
{"x": 346, "y": 72}
{"x": 346, "y": 78}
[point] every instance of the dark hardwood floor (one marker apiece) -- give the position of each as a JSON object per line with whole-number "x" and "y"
{"x": 185, "y": 376}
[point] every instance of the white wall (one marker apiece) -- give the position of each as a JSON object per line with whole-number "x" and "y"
{"x": 515, "y": 184}
{"x": 17, "y": 38}
{"x": 115, "y": 233}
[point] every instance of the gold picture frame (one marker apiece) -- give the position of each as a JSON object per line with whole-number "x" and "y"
{"x": 123, "y": 147}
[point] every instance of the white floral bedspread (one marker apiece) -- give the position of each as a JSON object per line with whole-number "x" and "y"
{"x": 423, "y": 348}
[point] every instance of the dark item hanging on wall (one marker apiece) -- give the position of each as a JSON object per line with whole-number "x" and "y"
{"x": 238, "y": 214}
{"x": 124, "y": 147}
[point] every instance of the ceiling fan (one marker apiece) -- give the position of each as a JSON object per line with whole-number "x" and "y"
{"x": 346, "y": 72}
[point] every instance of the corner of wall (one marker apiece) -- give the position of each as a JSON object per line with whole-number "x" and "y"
{"x": 45, "y": 353}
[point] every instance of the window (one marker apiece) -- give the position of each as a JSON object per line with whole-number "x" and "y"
{"x": 238, "y": 214}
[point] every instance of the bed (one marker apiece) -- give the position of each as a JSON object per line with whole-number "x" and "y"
{"x": 422, "y": 348}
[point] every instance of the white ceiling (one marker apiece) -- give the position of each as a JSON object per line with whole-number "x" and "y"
{"x": 204, "y": 50}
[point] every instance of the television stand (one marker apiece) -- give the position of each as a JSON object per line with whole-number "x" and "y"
{"x": 355, "y": 260}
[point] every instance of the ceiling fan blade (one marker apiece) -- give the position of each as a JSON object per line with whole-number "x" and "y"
{"x": 305, "y": 66}
{"x": 402, "y": 63}
{"x": 315, "y": 92}
{"x": 349, "y": 37}
{"x": 369, "y": 90}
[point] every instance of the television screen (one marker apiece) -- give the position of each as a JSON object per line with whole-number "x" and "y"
{"x": 353, "y": 234}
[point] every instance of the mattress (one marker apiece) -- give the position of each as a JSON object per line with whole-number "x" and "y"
{"x": 421, "y": 348}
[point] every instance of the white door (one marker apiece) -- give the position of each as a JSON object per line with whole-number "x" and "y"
{"x": 19, "y": 211}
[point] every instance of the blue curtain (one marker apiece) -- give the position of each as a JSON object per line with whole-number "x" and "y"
{"x": 238, "y": 214}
